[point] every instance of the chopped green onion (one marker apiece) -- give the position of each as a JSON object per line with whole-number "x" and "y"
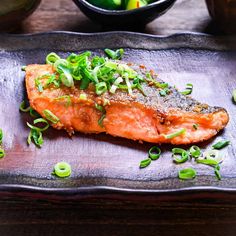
{"x": 2, "y": 153}
{"x": 209, "y": 162}
{"x": 23, "y": 68}
{"x": 22, "y": 107}
{"x": 128, "y": 85}
{"x": 99, "y": 107}
{"x": 175, "y": 134}
{"x": 195, "y": 151}
{"x": 195, "y": 126}
{"x": 33, "y": 113}
{"x": 37, "y": 137}
{"x": 39, "y": 85}
{"x": 145, "y": 163}
{"x": 52, "y": 58}
{"x": 164, "y": 92}
{"x": 101, "y": 88}
{"x": 234, "y": 95}
{"x": 213, "y": 155}
{"x": 115, "y": 55}
{"x": 100, "y": 121}
{"x": 1, "y": 136}
{"x": 65, "y": 76}
{"x": 83, "y": 96}
{"x": 67, "y": 97}
{"x": 62, "y": 169}
{"x": 154, "y": 152}
{"x": 180, "y": 155}
{"x": 221, "y": 144}
{"x": 188, "y": 173}
{"x": 39, "y": 120}
{"x": 115, "y": 85}
{"x": 217, "y": 172}
{"x": 51, "y": 117}
{"x": 189, "y": 89}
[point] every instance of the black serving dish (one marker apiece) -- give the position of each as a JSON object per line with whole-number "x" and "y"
{"x": 125, "y": 18}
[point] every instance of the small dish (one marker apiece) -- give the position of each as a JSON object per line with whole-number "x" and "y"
{"x": 127, "y": 18}
{"x": 12, "y": 12}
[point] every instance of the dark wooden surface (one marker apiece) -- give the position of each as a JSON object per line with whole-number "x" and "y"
{"x": 185, "y": 15}
{"x": 23, "y": 216}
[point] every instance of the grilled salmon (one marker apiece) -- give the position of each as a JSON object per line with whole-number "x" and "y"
{"x": 146, "y": 115}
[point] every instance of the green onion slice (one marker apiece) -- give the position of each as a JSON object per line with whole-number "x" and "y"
{"x": 100, "y": 121}
{"x": 154, "y": 152}
{"x": 209, "y": 162}
{"x": 195, "y": 151}
{"x": 65, "y": 76}
{"x": 188, "y": 173}
{"x": 195, "y": 126}
{"x": 101, "y": 88}
{"x": 189, "y": 89}
{"x": 1, "y": 136}
{"x": 23, "y": 108}
{"x": 180, "y": 155}
{"x": 62, "y": 169}
{"x": 115, "y": 55}
{"x": 50, "y": 116}
{"x": 217, "y": 172}
{"x": 37, "y": 137}
{"x": 175, "y": 134}
{"x": 145, "y": 163}
{"x": 52, "y": 58}
{"x": 39, "y": 120}
{"x": 221, "y": 144}
{"x": 234, "y": 95}
{"x": 2, "y": 153}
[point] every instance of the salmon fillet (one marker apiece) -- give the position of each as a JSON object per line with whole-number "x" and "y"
{"x": 146, "y": 116}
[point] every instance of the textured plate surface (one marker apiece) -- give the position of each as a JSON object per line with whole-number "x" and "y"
{"x": 101, "y": 161}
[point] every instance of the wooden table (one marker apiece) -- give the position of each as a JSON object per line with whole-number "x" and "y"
{"x": 186, "y": 15}
{"x": 198, "y": 217}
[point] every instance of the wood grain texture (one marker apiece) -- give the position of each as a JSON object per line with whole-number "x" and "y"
{"x": 23, "y": 216}
{"x": 64, "y": 15}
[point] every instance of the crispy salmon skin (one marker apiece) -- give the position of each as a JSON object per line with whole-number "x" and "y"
{"x": 145, "y": 115}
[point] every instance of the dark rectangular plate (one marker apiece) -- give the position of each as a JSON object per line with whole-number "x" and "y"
{"x": 102, "y": 164}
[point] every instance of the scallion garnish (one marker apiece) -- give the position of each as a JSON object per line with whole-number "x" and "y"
{"x": 23, "y": 68}
{"x": 50, "y": 116}
{"x": 188, "y": 90}
{"x": 221, "y": 144}
{"x": 23, "y": 108}
{"x": 101, "y": 88}
{"x": 180, "y": 155}
{"x": 217, "y": 172}
{"x": 67, "y": 98}
{"x": 175, "y": 134}
{"x": 65, "y": 76}
{"x": 209, "y": 162}
{"x": 62, "y": 169}
{"x": 195, "y": 126}
{"x": 115, "y": 55}
{"x": 39, "y": 85}
{"x": 164, "y": 92}
{"x": 234, "y": 95}
{"x": 100, "y": 121}
{"x": 52, "y": 58}
{"x": 39, "y": 120}
{"x": 188, "y": 173}
{"x": 1, "y": 136}
{"x": 195, "y": 151}
{"x": 2, "y": 153}
{"x": 145, "y": 163}
{"x": 154, "y": 152}
{"x": 36, "y": 132}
